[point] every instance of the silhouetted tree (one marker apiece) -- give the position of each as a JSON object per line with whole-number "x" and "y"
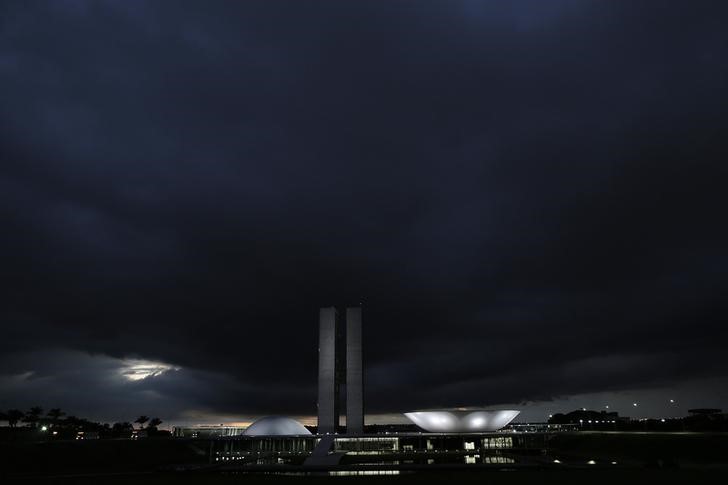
{"x": 13, "y": 416}
{"x": 55, "y": 414}
{"x": 33, "y": 416}
{"x": 119, "y": 429}
{"x": 141, "y": 420}
{"x": 73, "y": 422}
{"x": 154, "y": 422}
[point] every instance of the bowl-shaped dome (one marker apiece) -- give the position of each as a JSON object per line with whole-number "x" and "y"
{"x": 456, "y": 421}
{"x": 276, "y": 426}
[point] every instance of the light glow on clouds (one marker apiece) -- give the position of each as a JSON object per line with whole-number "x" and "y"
{"x": 128, "y": 387}
{"x": 138, "y": 369}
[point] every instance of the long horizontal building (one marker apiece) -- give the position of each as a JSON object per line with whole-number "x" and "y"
{"x": 207, "y": 431}
{"x": 423, "y": 448}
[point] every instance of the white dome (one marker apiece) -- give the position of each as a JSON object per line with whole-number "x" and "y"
{"x": 276, "y": 426}
{"x": 457, "y": 421}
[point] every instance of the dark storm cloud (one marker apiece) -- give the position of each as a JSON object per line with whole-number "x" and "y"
{"x": 527, "y": 196}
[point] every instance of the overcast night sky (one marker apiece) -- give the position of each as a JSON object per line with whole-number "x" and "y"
{"x": 528, "y": 197}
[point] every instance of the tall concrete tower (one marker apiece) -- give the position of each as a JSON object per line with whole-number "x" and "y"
{"x": 328, "y": 378}
{"x": 340, "y": 363}
{"x": 354, "y": 378}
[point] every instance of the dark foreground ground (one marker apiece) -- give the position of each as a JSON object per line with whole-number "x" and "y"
{"x": 642, "y": 458}
{"x": 565, "y": 477}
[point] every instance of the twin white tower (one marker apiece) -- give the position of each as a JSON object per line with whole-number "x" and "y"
{"x": 340, "y": 366}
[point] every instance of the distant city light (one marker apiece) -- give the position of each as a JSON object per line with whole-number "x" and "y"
{"x": 44, "y": 428}
{"x": 672, "y": 401}
{"x": 634, "y": 404}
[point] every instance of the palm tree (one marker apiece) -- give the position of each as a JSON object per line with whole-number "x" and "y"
{"x": 141, "y": 420}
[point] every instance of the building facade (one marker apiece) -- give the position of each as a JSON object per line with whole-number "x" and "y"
{"x": 340, "y": 366}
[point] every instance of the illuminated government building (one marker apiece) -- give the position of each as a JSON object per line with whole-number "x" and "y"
{"x": 463, "y": 435}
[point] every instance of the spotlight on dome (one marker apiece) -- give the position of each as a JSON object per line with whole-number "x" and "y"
{"x": 276, "y": 426}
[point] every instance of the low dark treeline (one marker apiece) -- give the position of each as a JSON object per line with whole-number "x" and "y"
{"x": 698, "y": 420}
{"x": 56, "y": 424}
